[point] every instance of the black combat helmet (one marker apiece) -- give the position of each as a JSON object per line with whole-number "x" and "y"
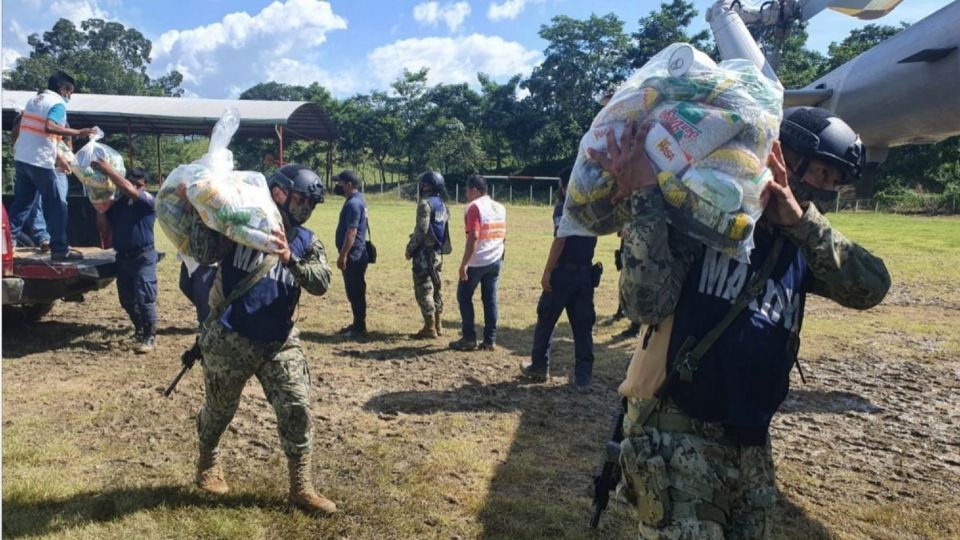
{"x": 817, "y": 133}
{"x": 299, "y": 178}
{"x": 434, "y": 180}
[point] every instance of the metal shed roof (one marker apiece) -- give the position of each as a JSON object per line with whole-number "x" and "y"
{"x": 186, "y": 116}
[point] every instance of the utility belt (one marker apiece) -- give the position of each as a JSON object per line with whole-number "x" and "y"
{"x": 134, "y": 253}
{"x": 678, "y": 422}
{"x": 575, "y": 267}
{"x": 595, "y": 270}
{"x": 648, "y": 484}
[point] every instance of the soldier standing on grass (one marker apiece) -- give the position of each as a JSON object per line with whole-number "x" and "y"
{"x": 723, "y": 335}
{"x": 250, "y": 332}
{"x": 428, "y": 243}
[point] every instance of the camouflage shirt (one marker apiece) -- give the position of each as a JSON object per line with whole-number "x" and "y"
{"x": 421, "y": 236}
{"x": 656, "y": 258}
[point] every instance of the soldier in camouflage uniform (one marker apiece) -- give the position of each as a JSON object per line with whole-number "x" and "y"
{"x": 428, "y": 243}
{"x": 696, "y": 456}
{"x": 250, "y": 332}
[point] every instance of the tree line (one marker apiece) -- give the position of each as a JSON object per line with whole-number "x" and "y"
{"x": 525, "y": 125}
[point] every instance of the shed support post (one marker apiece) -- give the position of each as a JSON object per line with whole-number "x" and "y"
{"x": 129, "y": 143}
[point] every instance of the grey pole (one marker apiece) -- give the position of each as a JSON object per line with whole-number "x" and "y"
{"x": 511, "y": 193}
{"x": 456, "y": 191}
{"x": 531, "y": 192}
{"x": 551, "y": 195}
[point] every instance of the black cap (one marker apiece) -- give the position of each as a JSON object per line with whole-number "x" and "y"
{"x": 347, "y": 175}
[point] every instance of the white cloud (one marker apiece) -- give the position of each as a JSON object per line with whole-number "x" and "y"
{"x": 77, "y": 11}
{"x": 9, "y": 59}
{"x": 290, "y": 71}
{"x": 509, "y": 9}
{"x": 431, "y": 13}
{"x": 241, "y": 41}
{"x": 453, "y": 60}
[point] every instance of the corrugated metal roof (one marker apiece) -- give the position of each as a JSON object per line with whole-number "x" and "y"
{"x": 187, "y": 116}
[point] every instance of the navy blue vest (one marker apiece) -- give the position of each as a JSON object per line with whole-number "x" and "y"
{"x": 439, "y": 217}
{"x": 577, "y": 250}
{"x": 745, "y": 376}
{"x": 265, "y": 311}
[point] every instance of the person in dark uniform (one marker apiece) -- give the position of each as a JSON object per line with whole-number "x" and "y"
{"x": 351, "y": 243}
{"x": 567, "y": 285}
{"x": 131, "y": 219}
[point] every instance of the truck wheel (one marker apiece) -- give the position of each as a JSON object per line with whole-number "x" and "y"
{"x": 27, "y": 313}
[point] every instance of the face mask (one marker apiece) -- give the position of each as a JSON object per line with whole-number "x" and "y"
{"x": 823, "y": 199}
{"x": 297, "y": 213}
{"x": 338, "y": 190}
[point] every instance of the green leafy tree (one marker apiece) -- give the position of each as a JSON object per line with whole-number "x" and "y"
{"x": 583, "y": 59}
{"x": 860, "y": 40}
{"x": 104, "y": 58}
{"x": 662, "y": 27}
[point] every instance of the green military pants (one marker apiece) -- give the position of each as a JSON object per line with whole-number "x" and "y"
{"x": 229, "y": 361}
{"x": 427, "y": 265}
{"x": 695, "y": 485}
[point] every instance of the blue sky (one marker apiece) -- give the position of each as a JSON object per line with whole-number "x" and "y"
{"x": 225, "y": 46}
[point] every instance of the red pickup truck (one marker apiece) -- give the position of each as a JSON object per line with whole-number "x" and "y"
{"x": 32, "y": 282}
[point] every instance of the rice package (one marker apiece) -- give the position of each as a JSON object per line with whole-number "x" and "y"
{"x": 711, "y": 128}
{"x": 237, "y": 204}
{"x": 100, "y": 190}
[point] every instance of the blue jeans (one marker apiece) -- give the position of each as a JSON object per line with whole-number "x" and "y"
{"x": 34, "y": 230}
{"x": 572, "y": 290}
{"x": 488, "y": 277}
{"x": 355, "y": 283}
{"x": 31, "y": 182}
{"x": 137, "y": 288}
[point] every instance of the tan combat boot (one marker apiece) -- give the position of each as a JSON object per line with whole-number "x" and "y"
{"x": 302, "y": 494}
{"x": 437, "y": 323}
{"x": 427, "y": 332}
{"x": 209, "y": 474}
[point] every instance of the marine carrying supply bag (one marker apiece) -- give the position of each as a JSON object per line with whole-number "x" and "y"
{"x": 237, "y": 204}
{"x": 711, "y": 128}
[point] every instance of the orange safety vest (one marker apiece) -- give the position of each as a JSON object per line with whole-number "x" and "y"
{"x": 34, "y": 145}
{"x": 493, "y": 231}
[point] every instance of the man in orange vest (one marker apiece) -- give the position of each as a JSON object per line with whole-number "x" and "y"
{"x": 41, "y": 126}
{"x": 486, "y": 227}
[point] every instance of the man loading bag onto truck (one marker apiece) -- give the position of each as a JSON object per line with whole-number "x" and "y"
{"x": 722, "y": 335}
{"x": 41, "y": 126}
{"x": 250, "y": 332}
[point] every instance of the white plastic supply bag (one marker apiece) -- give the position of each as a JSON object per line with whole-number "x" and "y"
{"x": 100, "y": 190}
{"x": 711, "y": 128}
{"x": 237, "y": 204}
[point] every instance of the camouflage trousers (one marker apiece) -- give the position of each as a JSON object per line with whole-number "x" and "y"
{"x": 694, "y": 486}
{"x": 427, "y": 265}
{"x": 229, "y": 361}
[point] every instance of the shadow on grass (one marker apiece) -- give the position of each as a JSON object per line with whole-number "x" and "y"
{"x": 177, "y": 331}
{"x": 22, "y": 519}
{"x": 44, "y": 336}
{"x": 793, "y": 522}
{"x": 826, "y": 401}
{"x": 543, "y": 486}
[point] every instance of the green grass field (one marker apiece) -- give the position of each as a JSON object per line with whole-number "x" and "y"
{"x": 415, "y": 441}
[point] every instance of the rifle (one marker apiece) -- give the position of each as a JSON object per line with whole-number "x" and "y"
{"x": 609, "y": 476}
{"x": 187, "y": 359}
